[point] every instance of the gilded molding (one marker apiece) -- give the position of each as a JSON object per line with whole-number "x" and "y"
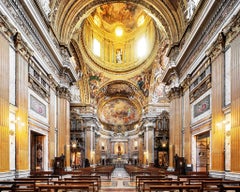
{"x": 6, "y": 27}
{"x": 172, "y": 30}
{"x": 52, "y": 82}
{"x": 22, "y": 47}
{"x": 63, "y": 92}
{"x": 174, "y": 93}
{"x": 217, "y": 47}
{"x": 232, "y": 30}
{"x": 186, "y": 83}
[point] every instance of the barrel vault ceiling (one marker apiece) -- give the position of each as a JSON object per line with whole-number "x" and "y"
{"x": 119, "y": 91}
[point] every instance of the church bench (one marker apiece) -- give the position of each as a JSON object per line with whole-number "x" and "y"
{"x": 95, "y": 183}
{"x": 136, "y": 173}
{"x": 96, "y": 178}
{"x": 6, "y": 187}
{"x": 181, "y": 188}
{"x": 201, "y": 179}
{"x": 224, "y": 188}
{"x": 146, "y": 184}
{"x": 36, "y": 180}
{"x": 215, "y": 185}
{"x": 141, "y": 178}
{"x": 106, "y": 169}
{"x": 75, "y": 172}
{"x": 41, "y": 173}
{"x": 64, "y": 187}
{"x": 50, "y": 177}
{"x": 92, "y": 185}
{"x": 20, "y": 185}
{"x": 103, "y": 172}
{"x": 135, "y": 170}
{"x": 197, "y": 173}
{"x": 186, "y": 177}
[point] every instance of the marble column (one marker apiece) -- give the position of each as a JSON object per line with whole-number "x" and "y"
{"x": 149, "y": 143}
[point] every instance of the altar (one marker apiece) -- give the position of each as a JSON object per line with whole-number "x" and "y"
{"x": 119, "y": 162}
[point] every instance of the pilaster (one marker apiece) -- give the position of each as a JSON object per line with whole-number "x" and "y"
{"x": 216, "y": 56}
{"x": 63, "y": 119}
{"x": 175, "y": 128}
{"x": 23, "y": 54}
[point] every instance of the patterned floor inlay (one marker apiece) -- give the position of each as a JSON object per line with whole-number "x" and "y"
{"x": 120, "y": 182}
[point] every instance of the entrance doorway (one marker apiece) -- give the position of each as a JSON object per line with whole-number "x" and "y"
{"x": 37, "y": 151}
{"x": 202, "y": 152}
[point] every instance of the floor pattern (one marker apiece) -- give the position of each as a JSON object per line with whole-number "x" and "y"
{"x": 120, "y": 181}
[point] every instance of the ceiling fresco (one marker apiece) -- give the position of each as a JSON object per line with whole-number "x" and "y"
{"x": 126, "y": 14}
{"x": 119, "y": 111}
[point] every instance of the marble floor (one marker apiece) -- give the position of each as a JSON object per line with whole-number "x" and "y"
{"x": 120, "y": 181}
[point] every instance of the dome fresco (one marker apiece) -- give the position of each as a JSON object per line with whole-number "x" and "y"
{"x": 124, "y": 14}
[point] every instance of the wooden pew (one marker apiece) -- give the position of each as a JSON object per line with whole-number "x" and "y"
{"x": 93, "y": 182}
{"x": 50, "y": 177}
{"x": 64, "y": 187}
{"x": 75, "y": 172}
{"x": 201, "y": 179}
{"x": 140, "y": 178}
{"x": 154, "y": 188}
{"x": 186, "y": 177}
{"x": 147, "y": 184}
{"x": 90, "y": 183}
{"x": 103, "y": 170}
{"x": 215, "y": 185}
{"x": 6, "y": 187}
{"x": 96, "y": 178}
{"x": 41, "y": 173}
{"x": 23, "y": 186}
{"x": 36, "y": 180}
{"x": 197, "y": 173}
{"x": 224, "y": 188}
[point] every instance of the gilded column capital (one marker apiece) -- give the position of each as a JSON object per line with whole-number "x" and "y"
{"x": 52, "y": 82}
{"x": 217, "y": 47}
{"x": 186, "y": 83}
{"x": 64, "y": 93}
{"x": 231, "y": 31}
{"x": 149, "y": 124}
{"x": 175, "y": 92}
{"x": 22, "y": 47}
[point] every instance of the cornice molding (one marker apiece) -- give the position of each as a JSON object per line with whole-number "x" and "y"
{"x": 6, "y": 28}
